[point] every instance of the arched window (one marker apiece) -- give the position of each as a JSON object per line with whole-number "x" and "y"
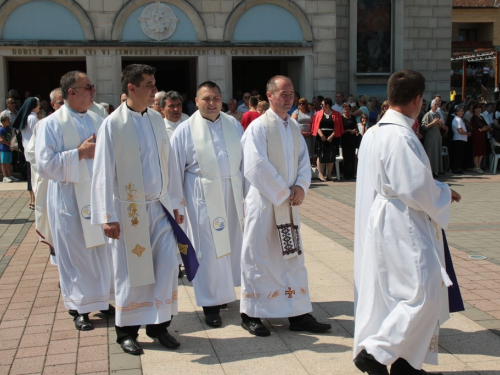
{"x": 374, "y": 49}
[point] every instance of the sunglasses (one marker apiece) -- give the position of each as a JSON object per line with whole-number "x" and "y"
{"x": 87, "y": 87}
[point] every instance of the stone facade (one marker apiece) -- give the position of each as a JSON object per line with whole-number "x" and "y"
{"x": 427, "y": 42}
{"x": 422, "y": 41}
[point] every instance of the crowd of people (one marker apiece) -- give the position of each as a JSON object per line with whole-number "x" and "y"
{"x": 331, "y": 128}
{"x": 123, "y": 198}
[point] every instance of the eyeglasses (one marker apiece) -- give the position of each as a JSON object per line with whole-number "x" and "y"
{"x": 87, "y": 87}
{"x": 60, "y": 103}
{"x": 246, "y": 97}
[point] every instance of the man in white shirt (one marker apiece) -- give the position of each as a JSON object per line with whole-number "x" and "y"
{"x": 233, "y": 110}
{"x": 157, "y": 105}
{"x": 339, "y": 101}
{"x": 244, "y": 106}
{"x": 171, "y": 108}
{"x": 488, "y": 113}
{"x": 11, "y": 109}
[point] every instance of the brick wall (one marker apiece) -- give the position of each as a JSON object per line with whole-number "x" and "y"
{"x": 427, "y": 42}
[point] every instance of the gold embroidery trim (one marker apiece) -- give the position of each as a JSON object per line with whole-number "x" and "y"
{"x": 138, "y": 250}
{"x": 303, "y": 291}
{"x": 183, "y": 249}
{"x": 158, "y": 303}
{"x": 274, "y": 295}
{"x": 134, "y": 306}
{"x": 433, "y": 346}
{"x": 132, "y": 207}
{"x": 290, "y": 292}
{"x": 251, "y": 295}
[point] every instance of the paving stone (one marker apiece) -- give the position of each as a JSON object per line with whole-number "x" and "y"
{"x": 60, "y": 359}
{"x": 124, "y": 361}
{"x": 27, "y": 365}
{"x": 60, "y": 369}
{"x": 89, "y": 367}
{"x": 7, "y": 356}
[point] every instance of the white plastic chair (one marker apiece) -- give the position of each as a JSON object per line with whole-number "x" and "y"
{"x": 494, "y": 156}
{"x": 339, "y": 159}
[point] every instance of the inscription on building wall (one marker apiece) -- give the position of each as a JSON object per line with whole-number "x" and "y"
{"x": 171, "y": 51}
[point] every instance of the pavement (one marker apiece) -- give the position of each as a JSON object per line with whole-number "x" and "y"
{"x": 37, "y": 336}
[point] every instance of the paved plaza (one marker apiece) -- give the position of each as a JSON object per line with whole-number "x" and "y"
{"x": 37, "y": 336}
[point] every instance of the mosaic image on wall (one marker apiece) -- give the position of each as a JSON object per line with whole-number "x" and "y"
{"x": 374, "y": 36}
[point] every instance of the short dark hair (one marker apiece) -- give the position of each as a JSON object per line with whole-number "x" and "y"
{"x": 69, "y": 80}
{"x": 171, "y": 95}
{"x": 404, "y": 86}
{"x": 319, "y": 97}
{"x": 133, "y": 74}
{"x": 254, "y": 100}
{"x": 208, "y": 84}
{"x": 328, "y": 102}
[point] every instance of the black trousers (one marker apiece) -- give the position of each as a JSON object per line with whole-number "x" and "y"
{"x": 292, "y": 319}
{"x": 132, "y": 332}
{"x": 207, "y": 310}
{"x": 459, "y": 149}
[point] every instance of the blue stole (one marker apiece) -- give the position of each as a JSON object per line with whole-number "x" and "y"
{"x": 186, "y": 249}
{"x": 455, "y": 301}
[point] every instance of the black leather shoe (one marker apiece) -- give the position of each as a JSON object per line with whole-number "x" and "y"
{"x": 111, "y": 311}
{"x": 131, "y": 346}
{"x": 180, "y": 275}
{"x": 402, "y": 367}
{"x": 435, "y": 175}
{"x": 213, "y": 320}
{"x": 223, "y": 306}
{"x": 82, "y": 323}
{"x": 255, "y": 326}
{"x": 166, "y": 340}
{"x": 367, "y": 363}
{"x": 309, "y": 323}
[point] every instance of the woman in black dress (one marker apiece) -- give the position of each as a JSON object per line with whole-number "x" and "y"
{"x": 349, "y": 141}
{"x": 327, "y": 126}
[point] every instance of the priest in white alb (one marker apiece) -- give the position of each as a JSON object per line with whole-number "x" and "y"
{"x": 277, "y": 168}
{"x": 64, "y": 153}
{"x": 135, "y": 188}
{"x": 171, "y": 106}
{"x": 40, "y": 184}
{"x": 400, "y": 277}
{"x": 209, "y": 158}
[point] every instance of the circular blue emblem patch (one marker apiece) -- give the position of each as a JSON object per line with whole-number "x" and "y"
{"x": 219, "y": 224}
{"x": 86, "y": 212}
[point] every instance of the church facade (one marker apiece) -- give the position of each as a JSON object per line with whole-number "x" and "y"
{"x": 325, "y": 46}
